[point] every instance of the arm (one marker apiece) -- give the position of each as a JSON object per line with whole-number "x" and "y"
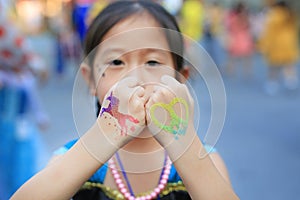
{"x": 64, "y": 176}
{"x": 201, "y": 177}
{"x": 204, "y": 178}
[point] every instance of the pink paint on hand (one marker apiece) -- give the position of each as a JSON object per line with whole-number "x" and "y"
{"x": 113, "y": 110}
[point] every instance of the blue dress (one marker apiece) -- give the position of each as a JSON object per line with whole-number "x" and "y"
{"x": 17, "y": 143}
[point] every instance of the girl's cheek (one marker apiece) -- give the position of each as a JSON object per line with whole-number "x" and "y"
{"x": 103, "y": 87}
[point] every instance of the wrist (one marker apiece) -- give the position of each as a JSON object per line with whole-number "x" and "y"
{"x": 99, "y": 145}
{"x": 178, "y": 146}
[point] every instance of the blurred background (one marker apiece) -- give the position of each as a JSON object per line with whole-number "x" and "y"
{"x": 255, "y": 45}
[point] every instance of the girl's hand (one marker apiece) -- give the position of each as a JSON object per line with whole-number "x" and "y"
{"x": 170, "y": 115}
{"x": 122, "y": 114}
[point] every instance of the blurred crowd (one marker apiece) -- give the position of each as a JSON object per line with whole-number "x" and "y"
{"x": 232, "y": 36}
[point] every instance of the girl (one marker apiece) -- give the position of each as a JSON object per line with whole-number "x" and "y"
{"x": 89, "y": 167}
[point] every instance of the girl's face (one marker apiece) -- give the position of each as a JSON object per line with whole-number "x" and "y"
{"x": 131, "y": 48}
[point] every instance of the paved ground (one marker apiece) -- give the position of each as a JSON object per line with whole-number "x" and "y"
{"x": 259, "y": 142}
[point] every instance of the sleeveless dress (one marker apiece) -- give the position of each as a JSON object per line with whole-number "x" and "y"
{"x": 96, "y": 190}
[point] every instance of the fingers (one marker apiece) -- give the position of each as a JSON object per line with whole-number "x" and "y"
{"x": 169, "y": 81}
{"x": 139, "y": 92}
{"x": 129, "y": 82}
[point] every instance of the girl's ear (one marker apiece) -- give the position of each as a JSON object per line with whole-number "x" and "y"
{"x": 185, "y": 72}
{"x": 86, "y": 72}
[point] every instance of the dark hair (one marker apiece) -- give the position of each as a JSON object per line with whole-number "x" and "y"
{"x": 119, "y": 10}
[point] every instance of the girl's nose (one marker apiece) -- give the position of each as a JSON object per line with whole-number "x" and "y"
{"x": 139, "y": 72}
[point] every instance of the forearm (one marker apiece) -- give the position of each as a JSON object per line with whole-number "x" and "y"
{"x": 64, "y": 177}
{"x": 200, "y": 175}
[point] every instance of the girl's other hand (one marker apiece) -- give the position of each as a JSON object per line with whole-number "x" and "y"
{"x": 170, "y": 113}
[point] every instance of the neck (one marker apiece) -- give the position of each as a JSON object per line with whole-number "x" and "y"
{"x": 142, "y": 155}
{"x": 142, "y": 145}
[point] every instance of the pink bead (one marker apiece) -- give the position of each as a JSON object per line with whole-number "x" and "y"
{"x": 121, "y": 185}
{"x": 143, "y": 198}
{"x": 157, "y": 190}
{"x": 131, "y": 198}
{"x": 165, "y": 176}
{"x": 127, "y": 195}
{"x": 163, "y": 181}
{"x": 148, "y": 197}
{"x": 153, "y": 194}
{"x": 138, "y": 198}
{"x": 167, "y": 171}
{"x": 116, "y": 176}
{"x": 118, "y": 181}
{"x": 112, "y": 166}
{"x": 114, "y": 171}
{"x": 161, "y": 186}
{"x": 123, "y": 190}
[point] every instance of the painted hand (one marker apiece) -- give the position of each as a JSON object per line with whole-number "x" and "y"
{"x": 122, "y": 115}
{"x": 170, "y": 111}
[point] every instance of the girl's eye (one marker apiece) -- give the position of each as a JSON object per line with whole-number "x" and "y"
{"x": 152, "y": 63}
{"x": 116, "y": 62}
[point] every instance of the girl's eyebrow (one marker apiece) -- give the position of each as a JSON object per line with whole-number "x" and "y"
{"x": 153, "y": 50}
{"x": 120, "y": 51}
{"x": 110, "y": 50}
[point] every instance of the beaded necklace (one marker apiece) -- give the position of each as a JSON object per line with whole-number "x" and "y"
{"x": 163, "y": 179}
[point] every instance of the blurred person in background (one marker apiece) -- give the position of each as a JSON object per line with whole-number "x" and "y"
{"x": 80, "y": 12}
{"x": 96, "y": 8}
{"x": 240, "y": 41}
{"x": 214, "y": 35}
{"x": 279, "y": 45}
{"x": 68, "y": 47}
{"x": 191, "y": 18}
{"x": 21, "y": 113}
{"x": 192, "y": 14}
